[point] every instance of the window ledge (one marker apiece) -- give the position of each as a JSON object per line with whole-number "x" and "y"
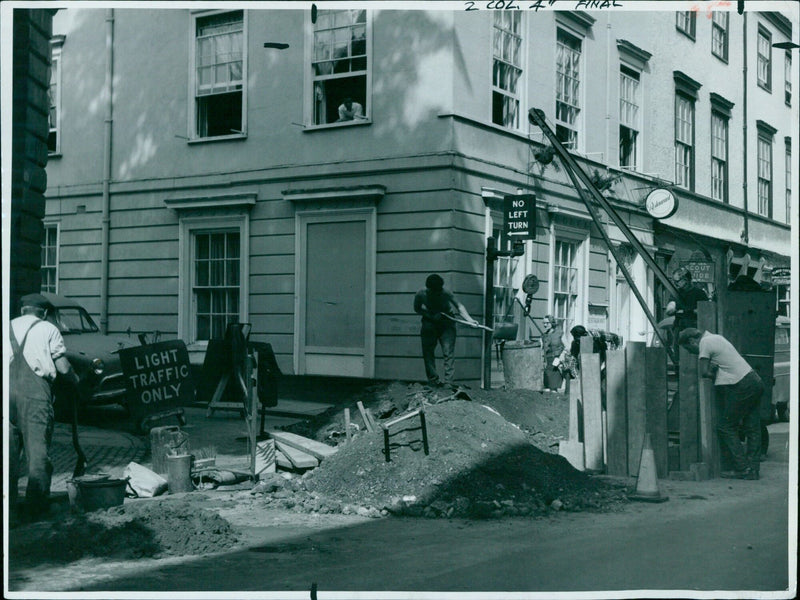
{"x": 765, "y": 87}
{"x": 686, "y": 34}
{"x": 220, "y": 138}
{"x": 54, "y": 155}
{"x": 243, "y": 200}
{"x": 337, "y": 125}
{"x": 721, "y": 58}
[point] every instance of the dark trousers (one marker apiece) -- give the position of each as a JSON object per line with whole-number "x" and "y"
{"x": 445, "y": 336}
{"x": 742, "y": 401}
{"x": 31, "y": 428}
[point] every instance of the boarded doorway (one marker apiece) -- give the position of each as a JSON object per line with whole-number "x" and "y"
{"x": 335, "y": 301}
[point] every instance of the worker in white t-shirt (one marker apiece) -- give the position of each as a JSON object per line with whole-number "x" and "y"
{"x": 743, "y": 389}
{"x": 39, "y": 355}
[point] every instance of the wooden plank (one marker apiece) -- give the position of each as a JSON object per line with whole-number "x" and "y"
{"x": 347, "y": 424}
{"x": 265, "y": 457}
{"x": 298, "y": 458}
{"x": 371, "y": 417}
{"x": 709, "y": 443}
{"x": 297, "y": 407}
{"x": 575, "y": 411}
{"x": 689, "y": 409}
{"x": 282, "y": 460}
{"x": 616, "y": 414}
{"x": 587, "y": 345}
{"x": 304, "y": 444}
{"x": 573, "y": 452}
{"x": 656, "y": 405}
{"x": 592, "y": 412}
{"x": 636, "y": 406}
{"x": 364, "y": 416}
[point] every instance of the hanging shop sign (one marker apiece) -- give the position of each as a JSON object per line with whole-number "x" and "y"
{"x": 661, "y": 203}
{"x": 702, "y": 270}
{"x": 781, "y": 276}
{"x": 158, "y": 377}
{"x": 520, "y": 216}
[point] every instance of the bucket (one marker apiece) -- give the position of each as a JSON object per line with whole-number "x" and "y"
{"x": 179, "y": 473}
{"x": 523, "y": 366}
{"x": 95, "y": 494}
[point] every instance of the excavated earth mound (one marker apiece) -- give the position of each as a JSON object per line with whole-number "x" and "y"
{"x": 148, "y": 528}
{"x": 479, "y": 465}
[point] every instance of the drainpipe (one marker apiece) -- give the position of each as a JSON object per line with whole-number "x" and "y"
{"x": 745, "y": 233}
{"x": 106, "y": 216}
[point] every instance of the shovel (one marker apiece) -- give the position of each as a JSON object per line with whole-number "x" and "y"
{"x": 468, "y": 324}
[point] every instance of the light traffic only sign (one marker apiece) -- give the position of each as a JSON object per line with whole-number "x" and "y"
{"x": 520, "y": 216}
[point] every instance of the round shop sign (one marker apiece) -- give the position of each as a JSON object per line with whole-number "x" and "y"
{"x": 661, "y": 203}
{"x": 530, "y": 285}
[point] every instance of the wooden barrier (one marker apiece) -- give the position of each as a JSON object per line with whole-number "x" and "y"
{"x": 616, "y": 414}
{"x": 636, "y": 403}
{"x": 656, "y": 405}
{"x": 592, "y": 411}
{"x": 689, "y": 409}
{"x": 707, "y": 401}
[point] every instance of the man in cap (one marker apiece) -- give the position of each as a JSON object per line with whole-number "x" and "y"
{"x": 39, "y": 355}
{"x": 437, "y": 305}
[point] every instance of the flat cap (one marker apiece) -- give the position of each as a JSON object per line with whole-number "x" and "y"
{"x": 36, "y": 300}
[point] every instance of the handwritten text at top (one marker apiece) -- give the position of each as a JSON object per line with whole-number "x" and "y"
{"x": 536, "y": 5}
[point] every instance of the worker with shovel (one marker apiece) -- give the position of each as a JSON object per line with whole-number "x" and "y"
{"x": 39, "y": 355}
{"x": 439, "y": 310}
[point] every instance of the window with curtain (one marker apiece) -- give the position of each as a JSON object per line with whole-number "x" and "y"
{"x": 219, "y": 74}
{"x": 566, "y": 282}
{"x": 685, "y": 22}
{"x": 764, "y": 60}
{"x": 787, "y": 78}
{"x": 764, "y": 176}
{"x": 788, "y": 177}
{"x": 719, "y": 34}
{"x": 506, "y": 67}
{"x": 339, "y": 66}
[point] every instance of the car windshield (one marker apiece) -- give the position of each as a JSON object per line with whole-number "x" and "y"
{"x": 74, "y": 320}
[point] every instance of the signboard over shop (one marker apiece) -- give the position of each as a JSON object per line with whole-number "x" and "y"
{"x": 781, "y": 276}
{"x": 661, "y": 203}
{"x": 702, "y": 271}
{"x": 520, "y": 216}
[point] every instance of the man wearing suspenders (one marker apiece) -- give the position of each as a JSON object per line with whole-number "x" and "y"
{"x": 39, "y": 356}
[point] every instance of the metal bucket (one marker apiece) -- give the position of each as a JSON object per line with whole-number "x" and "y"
{"x": 179, "y": 473}
{"x": 96, "y": 494}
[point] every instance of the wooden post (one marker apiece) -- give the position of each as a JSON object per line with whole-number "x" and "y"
{"x": 709, "y": 442}
{"x": 689, "y": 409}
{"x": 592, "y": 411}
{"x": 575, "y": 412}
{"x": 636, "y": 404}
{"x": 656, "y": 405}
{"x": 616, "y": 417}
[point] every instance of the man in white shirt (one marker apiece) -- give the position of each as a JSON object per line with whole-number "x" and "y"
{"x": 743, "y": 389}
{"x": 349, "y": 110}
{"x": 39, "y": 355}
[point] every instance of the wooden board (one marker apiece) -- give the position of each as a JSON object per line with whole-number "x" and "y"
{"x": 573, "y": 452}
{"x": 616, "y": 414}
{"x": 709, "y": 443}
{"x": 282, "y": 460}
{"x": 636, "y": 406}
{"x": 688, "y": 393}
{"x": 314, "y": 448}
{"x": 297, "y": 407}
{"x": 265, "y": 457}
{"x": 575, "y": 411}
{"x": 592, "y": 412}
{"x": 298, "y": 458}
{"x": 656, "y": 406}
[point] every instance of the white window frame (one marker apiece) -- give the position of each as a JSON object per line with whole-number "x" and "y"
{"x": 561, "y": 233}
{"x": 720, "y": 22}
{"x": 788, "y": 178}
{"x": 311, "y": 79}
{"x": 684, "y": 142}
{"x": 787, "y": 78}
{"x": 719, "y": 156}
{"x": 764, "y": 61}
{"x": 50, "y": 225}
{"x": 764, "y": 180}
{"x": 56, "y": 45}
{"x": 190, "y": 226}
{"x": 631, "y": 103}
{"x": 499, "y": 57}
{"x": 577, "y": 126}
{"x": 193, "y": 134}
{"x": 686, "y": 23}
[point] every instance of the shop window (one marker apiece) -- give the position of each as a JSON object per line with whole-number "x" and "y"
{"x": 764, "y": 62}
{"x": 686, "y": 22}
{"x": 629, "y": 117}
{"x": 49, "y": 260}
{"x": 506, "y": 68}
{"x": 340, "y": 66}
{"x": 219, "y": 73}
{"x": 568, "y": 92}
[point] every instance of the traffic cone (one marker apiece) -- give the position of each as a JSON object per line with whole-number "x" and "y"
{"x": 647, "y": 482}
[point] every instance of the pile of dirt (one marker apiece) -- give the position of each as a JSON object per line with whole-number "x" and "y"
{"x": 149, "y": 528}
{"x": 479, "y": 463}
